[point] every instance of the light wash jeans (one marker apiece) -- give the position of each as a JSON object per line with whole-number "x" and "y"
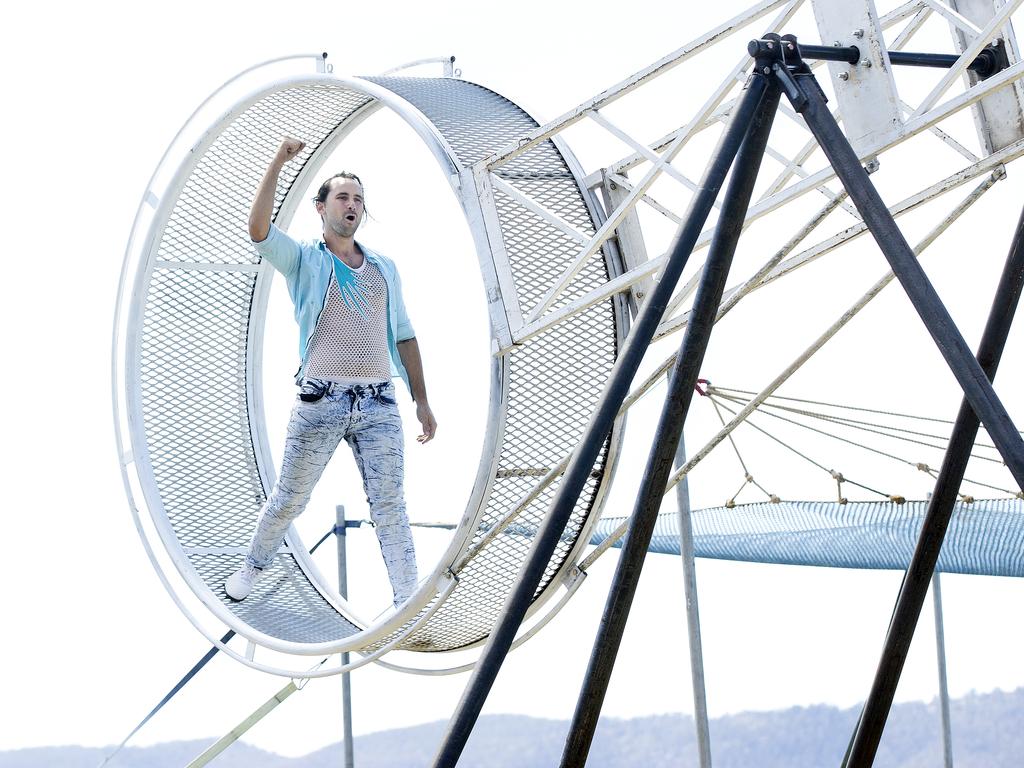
{"x": 368, "y": 420}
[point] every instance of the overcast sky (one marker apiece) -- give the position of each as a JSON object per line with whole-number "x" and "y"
{"x": 91, "y": 641}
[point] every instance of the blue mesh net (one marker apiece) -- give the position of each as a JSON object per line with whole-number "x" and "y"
{"x": 985, "y": 537}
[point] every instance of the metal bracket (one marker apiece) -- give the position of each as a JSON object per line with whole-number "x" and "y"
{"x": 999, "y": 117}
{"x": 866, "y": 92}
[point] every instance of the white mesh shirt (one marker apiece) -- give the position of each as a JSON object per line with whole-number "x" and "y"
{"x": 351, "y": 346}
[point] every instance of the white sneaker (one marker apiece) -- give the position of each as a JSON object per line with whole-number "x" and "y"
{"x": 240, "y": 583}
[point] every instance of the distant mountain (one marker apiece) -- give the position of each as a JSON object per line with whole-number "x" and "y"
{"x": 987, "y": 733}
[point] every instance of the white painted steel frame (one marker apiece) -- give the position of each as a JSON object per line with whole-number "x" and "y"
{"x": 670, "y": 325}
{"x": 887, "y": 21}
{"x": 542, "y": 317}
{"x": 781, "y": 195}
{"x": 816, "y": 180}
{"x": 969, "y": 54}
{"x": 631, "y": 83}
{"x": 1007, "y": 108}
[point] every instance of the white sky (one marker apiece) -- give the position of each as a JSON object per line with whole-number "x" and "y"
{"x": 91, "y": 640}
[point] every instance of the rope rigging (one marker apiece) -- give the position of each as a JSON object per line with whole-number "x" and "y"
{"x": 748, "y": 479}
{"x": 789, "y": 410}
{"x": 948, "y": 422}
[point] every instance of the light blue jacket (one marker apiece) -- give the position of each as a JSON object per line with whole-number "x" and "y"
{"x": 308, "y": 267}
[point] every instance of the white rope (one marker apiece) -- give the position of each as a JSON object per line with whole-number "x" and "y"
{"x": 845, "y": 318}
{"x": 750, "y": 423}
{"x": 857, "y": 425}
{"x": 916, "y": 464}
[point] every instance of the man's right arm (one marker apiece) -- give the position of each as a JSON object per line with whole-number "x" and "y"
{"x": 263, "y": 204}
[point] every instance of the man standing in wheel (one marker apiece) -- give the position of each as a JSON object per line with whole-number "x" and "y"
{"x": 354, "y": 336}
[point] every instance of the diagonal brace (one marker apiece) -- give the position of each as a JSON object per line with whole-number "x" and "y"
{"x": 936, "y": 521}
{"x": 616, "y": 388}
{"x": 666, "y": 438}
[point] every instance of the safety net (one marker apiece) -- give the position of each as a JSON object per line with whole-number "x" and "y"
{"x": 984, "y": 537}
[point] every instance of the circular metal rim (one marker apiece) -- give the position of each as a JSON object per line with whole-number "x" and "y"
{"x": 440, "y": 577}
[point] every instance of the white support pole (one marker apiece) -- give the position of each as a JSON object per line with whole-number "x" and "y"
{"x": 940, "y": 652}
{"x": 532, "y": 205}
{"x": 631, "y": 240}
{"x": 700, "y": 701}
{"x": 646, "y": 152}
{"x": 677, "y": 144}
{"x": 969, "y": 54}
{"x": 341, "y": 534}
{"x": 237, "y": 732}
{"x": 957, "y": 20}
{"x": 691, "y": 49}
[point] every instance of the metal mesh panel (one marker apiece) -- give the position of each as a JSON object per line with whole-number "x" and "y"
{"x": 555, "y": 378}
{"x": 207, "y": 224}
{"x": 475, "y": 122}
{"x": 538, "y": 251}
{"x": 193, "y": 358}
{"x": 283, "y": 604}
{"x": 985, "y": 537}
{"x": 192, "y": 377}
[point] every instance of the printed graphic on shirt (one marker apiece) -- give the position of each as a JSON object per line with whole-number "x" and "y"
{"x": 350, "y": 342}
{"x": 352, "y": 285}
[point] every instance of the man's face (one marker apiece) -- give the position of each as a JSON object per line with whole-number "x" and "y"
{"x": 342, "y": 211}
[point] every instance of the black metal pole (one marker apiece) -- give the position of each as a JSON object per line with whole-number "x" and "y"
{"x": 666, "y": 437}
{"x": 986, "y": 64}
{"x": 807, "y": 98}
{"x": 940, "y": 508}
{"x": 594, "y": 437}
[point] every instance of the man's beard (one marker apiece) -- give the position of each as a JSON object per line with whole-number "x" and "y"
{"x": 344, "y": 228}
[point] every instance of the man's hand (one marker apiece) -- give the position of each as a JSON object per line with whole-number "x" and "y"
{"x": 427, "y": 421}
{"x": 290, "y": 148}
{"x": 263, "y": 203}
{"x": 409, "y": 351}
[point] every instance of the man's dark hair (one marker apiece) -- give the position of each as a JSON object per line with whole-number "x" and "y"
{"x": 325, "y": 188}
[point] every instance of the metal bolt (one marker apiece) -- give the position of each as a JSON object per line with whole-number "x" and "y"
{"x": 867, "y": 63}
{"x": 844, "y": 75}
{"x": 837, "y": 44}
{"x": 767, "y": 70}
{"x": 858, "y": 33}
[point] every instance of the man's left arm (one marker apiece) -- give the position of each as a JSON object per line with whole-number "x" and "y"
{"x": 409, "y": 351}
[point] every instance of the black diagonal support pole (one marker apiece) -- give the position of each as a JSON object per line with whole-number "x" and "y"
{"x": 594, "y": 437}
{"x": 933, "y": 530}
{"x": 666, "y": 437}
{"x": 807, "y": 98}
